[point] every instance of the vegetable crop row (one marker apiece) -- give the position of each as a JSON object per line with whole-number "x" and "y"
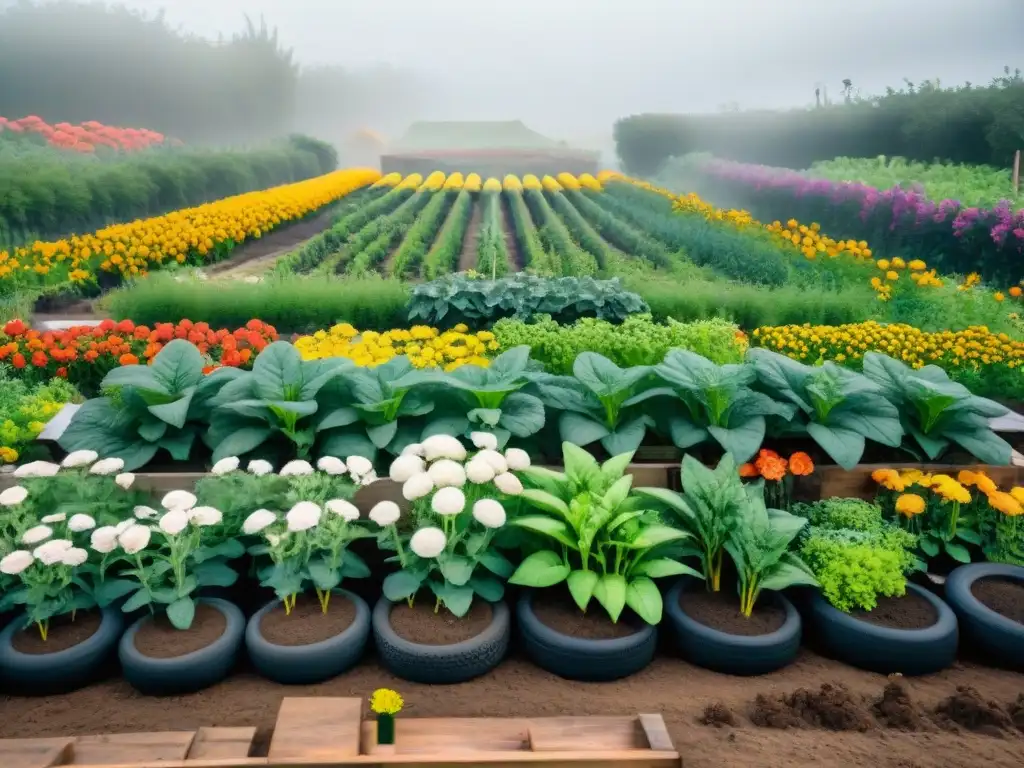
{"x": 373, "y": 243}
{"x": 555, "y": 236}
{"x": 408, "y": 257}
{"x": 617, "y": 232}
{"x": 443, "y": 256}
{"x": 492, "y": 250}
{"x": 527, "y": 237}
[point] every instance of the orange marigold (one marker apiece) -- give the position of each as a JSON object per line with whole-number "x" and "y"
{"x": 800, "y": 464}
{"x": 771, "y": 467}
{"x": 748, "y": 470}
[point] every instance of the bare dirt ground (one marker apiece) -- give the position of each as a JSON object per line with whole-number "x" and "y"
{"x": 516, "y": 263}
{"x": 471, "y": 241}
{"x": 255, "y": 257}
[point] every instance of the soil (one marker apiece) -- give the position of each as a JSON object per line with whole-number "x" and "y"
{"x": 1002, "y": 595}
{"x": 158, "y": 639}
{"x": 420, "y": 624}
{"x": 969, "y": 709}
{"x": 471, "y": 242}
{"x": 721, "y": 611}
{"x": 267, "y": 249}
{"x": 896, "y": 709}
{"x": 517, "y": 688}
{"x": 511, "y": 244}
{"x": 556, "y": 610}
{"x": 63, "y": 634}
{"x": 831, "y": 707}
{"x": 719, "y": 716}
{"x": 908, "y": 612}
{"x": 307, "y": 623}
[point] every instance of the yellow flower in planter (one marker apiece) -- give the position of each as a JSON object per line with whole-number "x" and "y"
{"x": 910, "y": 504}
{"x": 1005, "y": 503}
{"x": 385, "y": 701}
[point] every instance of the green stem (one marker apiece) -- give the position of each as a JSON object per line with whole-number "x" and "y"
{"x": 398, "y": 544}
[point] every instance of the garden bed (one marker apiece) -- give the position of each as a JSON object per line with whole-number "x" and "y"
{"x": 853, "y": 722}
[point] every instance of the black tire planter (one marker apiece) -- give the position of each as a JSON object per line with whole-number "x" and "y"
{"x": 191, "y": 672}
{"x": 885, "y": 649}
{"x": 63, "y": 671}
{"x": 733, "y": 654}
{"x": 994, "y": 636}
{"x": 312, "y": 663}
{"x": 584, "y": 659}
{"x": 441, "y": 664}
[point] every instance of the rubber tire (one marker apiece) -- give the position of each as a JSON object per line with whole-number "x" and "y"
{"x": 733, "y": 654}
{"x": 441, "y": 664}
{"x": 191, "y": 672}
{"x": 993, "y": 635}
{"x": 63, "y": 671}
{"x": 885, "y": 649}
{"x": 315, "y": 662}
{"x": 580, "y": 658}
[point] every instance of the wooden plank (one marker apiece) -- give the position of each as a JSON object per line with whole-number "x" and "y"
{"x": 35, "y": 753}
{"x": 570, "y": 734}
{"x": 633, "y": 758}
{"x": 654, "y": 730}
{"x": 320, "y": 728}
{"x": 114, "y": 749}
{"x": 221, "y": 743}
{"x": 445, "y": 735}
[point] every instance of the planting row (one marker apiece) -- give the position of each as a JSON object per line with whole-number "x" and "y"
{"x": 84, "y": 551}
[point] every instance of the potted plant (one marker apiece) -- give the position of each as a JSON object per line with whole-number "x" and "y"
{"x": 450, "y": 548}
{"x": 601, "y": 544}
{"x": 752, "y": 636}
{"x": 185, "y": 642}
{"x": 314, "y": 630}
{"x": 68, "y": 633}
{"x": 867, "y": 613}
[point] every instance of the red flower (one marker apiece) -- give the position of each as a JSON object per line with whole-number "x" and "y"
{"x": 128, "y": 359}
{"x": 62, "y": 372}
{"x": 15, "y": 328}
{"x": 39, "y": 359}
{"x": 18, "y": 361}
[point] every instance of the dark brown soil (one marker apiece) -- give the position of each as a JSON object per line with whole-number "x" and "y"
{"x": 908, "y": 612}
{"x": 269, "y": 247}
{"x": 471, "y": 242}
{"x": 721, "y": 611}
{"x": 518, "y": 264}
{"x": 969, "y": 709}
{"x": 1016, "y": 711}
{"x": 556, "y": 609}
{"x": 895, "y": 709}
{"x": 831, "y": 707}
{"x": 63, "y": 634}
{"x": 420, "y": 624}
{"x": 1004, "y": 596}
{"x": 307, "y": 623}
{"x": 158, "y": 639}
{"x": 718, "y": 715}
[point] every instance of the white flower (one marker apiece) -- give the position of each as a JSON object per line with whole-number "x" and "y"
{"x": 16, "y": 562}
{"x": 56, "y": 517}
{"x": 225, "y": 465}
{"x": 13, "y": 496}
{"x": 124, "y": 525}
{"x": 134, "y": 539}
{"x": 174, "y": 522}
{"x": 52, "y": 552}
{"x": 79, "y": 458}
{"x": 125, "y": 480}
{"x": 495, "y": 459}
{"x": 447, "y": 473}
{"x": 443, "y": 447}
{"x": 489, "y": 513}
{"x": 385, "y": 513}
{"x": 297, "y": 467}
{"x": 343, "y": 508}
{"x": 37, "y": 469}
{"x": 368, "y": 479}
{"x": 479, "y": 471}
{"x": 332, "y": 465}
{"x": 145, "y": 513}
{"x": 259, "y": 467}
{"x": 428, "y": 542}
{"x": 303, "y": 516}
{"x": 405, "y": 467}
{"x": 75, "y": 556}
{"x": 179, "y": 500}
{"x": 204, "y": 516}
{"x": 448, "y": 501}
{"x": 509, "y": 483}
{"x": 107, "y": 466}
{"x": 36, "y": 534}
{"x": 81, "y": 522}
{"x": 359, "y": 465}
{"x": 484, "y": 440}
{"x": 257, "y": 521}
{"x": 413, "y": 449}
{"x": 417, "y": 486}
{"x": 104, "y": 539}
{"x": 517, "y": 459}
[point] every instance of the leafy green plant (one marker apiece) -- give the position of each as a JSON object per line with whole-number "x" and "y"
{"x": 492, "y": 250}
{"x": 443, "y": 256}
{"x": 937, "y": 412}
{"x": 607, "y": 546}
{"x": 148, "y": 408}
{"x": 839, "y": 409}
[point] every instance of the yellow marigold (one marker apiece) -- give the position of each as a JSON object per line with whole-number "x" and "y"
{"x": 1005, "y": 503}
{"x": 892, "y": 275}
{"x": 883, "y": 264}
{"x": 898, "y": 263}
{"x": 1018, "y": 494}
{"x": 8, "y": 455}
{"x": 889, "y": 479}
{"x": 917, "y": 265}
{"x": 953, "y": 491}
{"x": 385, "y": 701}
{"x": 910, "y": 504}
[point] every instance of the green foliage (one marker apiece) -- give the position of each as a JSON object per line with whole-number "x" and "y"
{"x": 582, "y": 232}
{"x": 25, "y": 408}
{"x": 492, "y": 249}
{"x": 535, "y": 258}
{"x": 443, "y": 256}
{"x": 637, "y": 340}
{"x": 622, "y": 235}
{"x": 556, "y": 238}
{"x": 370, "y": 246}
{"x": 408, "y": 258}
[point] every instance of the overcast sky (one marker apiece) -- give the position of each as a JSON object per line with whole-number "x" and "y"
{"x": 576, "y": 65}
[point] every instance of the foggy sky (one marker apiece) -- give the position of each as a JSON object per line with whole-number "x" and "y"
{"x": 571, "y": 67}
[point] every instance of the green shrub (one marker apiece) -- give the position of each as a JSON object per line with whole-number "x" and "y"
{"x": 637, "y": 341}
{"x": 855, "y": 554}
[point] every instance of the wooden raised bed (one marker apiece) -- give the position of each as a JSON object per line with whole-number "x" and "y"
{"x": 325, "y": 731}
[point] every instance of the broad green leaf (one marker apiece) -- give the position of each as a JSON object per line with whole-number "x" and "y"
{"x": 522, "y": 414}
{"x": 541, "y": 569}
{"x": 456, "y": 570}
{"x": 610, "y": 592}
{"x": 496, "y": 563}
{"x": 178, "y": 366}
{"x": 181, "y": 613}
{"x": 323, "y": 576}
{"x": 214, "y": 573}
{"x": 110, "y": 590}
{"x": 545, "y": 501}
{"x": 958, "y": 552}
{"x": 929, "y": 546}
{"x": 626, "y": 437}
{"x": 242, "y": 441}
{"x": 338, "y": 417}
{"x": 342, "y": 442}
{"x": 382, "y": 434}
{"x": 644, "y": 597}
{"x": 581, "y": 586}
{"x": 663, "y": 567}
{"x": 656, "y": 535}
{"x": 786, "y": 575}
{"x": 401, "y": 585}
{"x": 742, "y": 441}
{"x": 580, "y": 430}
{"x": 488, "y": 588}
{"x": 844, "y": 445}
{"x": 457, "y": 599}
{"x": 277, "y": 372}
{"x": 175, "y": 413}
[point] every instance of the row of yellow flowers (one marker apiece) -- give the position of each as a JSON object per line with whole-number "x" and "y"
{"x": 473, "y": 183}
{"x": 425, "y": 347}
{"x": 192, "y": 235}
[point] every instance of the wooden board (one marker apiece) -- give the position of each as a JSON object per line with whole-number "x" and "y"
{"x": 316, "y": 728}
{"x": 221, "y": 743}
{"x": 35, "y": 753}
{"x": 121, "y": 748}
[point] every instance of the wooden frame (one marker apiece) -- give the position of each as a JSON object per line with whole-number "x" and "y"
{"x": 326, "y": 731}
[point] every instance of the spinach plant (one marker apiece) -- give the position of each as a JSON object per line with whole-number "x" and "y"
{"x": 839, "y": 409}
{"x": 937, "y": 412}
